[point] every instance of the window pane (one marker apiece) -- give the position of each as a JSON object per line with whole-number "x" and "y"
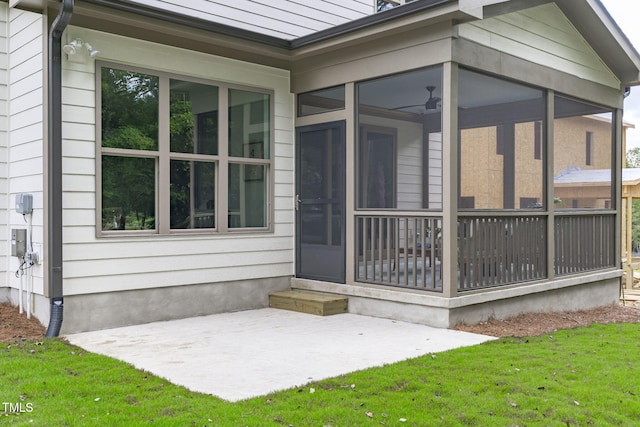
{"x": 583, "y": 146}
{"x": 129, "y": 110}
{"x": 321, "y": 101}
{"x": 128, "y": 193}
{"x": 400, "y": 141}
{"x": 500, "y": 130}
{"x": 249, "y": 123}
{"x": 194, "y": 118}
{"x": 192, "y": 194}
{"x": 247, "y": 195}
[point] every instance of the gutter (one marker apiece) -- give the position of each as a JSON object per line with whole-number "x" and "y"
{"x": 288, "y": 44}
{"x": 191, "y": 22}
{"x": 368, "y": 21}
{"x": 54, "y": 174}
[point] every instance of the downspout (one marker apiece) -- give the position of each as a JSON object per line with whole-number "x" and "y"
{"x": 54, "y": 174}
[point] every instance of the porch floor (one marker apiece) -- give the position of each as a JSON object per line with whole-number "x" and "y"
{"x": 246, "y": 354}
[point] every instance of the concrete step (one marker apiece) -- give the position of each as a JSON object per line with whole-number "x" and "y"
{"x": 309, "y": 302}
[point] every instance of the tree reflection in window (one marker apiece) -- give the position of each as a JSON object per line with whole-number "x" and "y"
{"x": 129, "y": 121}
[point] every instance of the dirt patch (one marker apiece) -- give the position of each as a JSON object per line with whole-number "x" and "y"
{"x": 527, "y": 325}
{"x": 16, "y": 327}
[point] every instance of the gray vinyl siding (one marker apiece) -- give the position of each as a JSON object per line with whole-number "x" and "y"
{"x": 543, "y": 35}
{"x": 280, "y": 18}
{"x": 25, "y": 145}
{"x": 108, "y": 264}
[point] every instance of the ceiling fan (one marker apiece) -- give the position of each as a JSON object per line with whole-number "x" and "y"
{"x": 431, "y": 104}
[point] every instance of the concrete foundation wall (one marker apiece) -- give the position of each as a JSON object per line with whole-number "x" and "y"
{"x": 425, "y": 315}
{"x": 92, "y": 312}
{"x": 574, "y": 298}
{"x": 565, "y": 294}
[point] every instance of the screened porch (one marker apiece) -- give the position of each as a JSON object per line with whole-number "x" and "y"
{"x": 516, "y": 217}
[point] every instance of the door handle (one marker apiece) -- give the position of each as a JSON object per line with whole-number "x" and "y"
{"x": 298, "y": 201}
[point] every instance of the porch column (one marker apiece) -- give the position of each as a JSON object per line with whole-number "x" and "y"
{"x": 628, "y": 234}
{"x": 551, "y": 206}
{"x": 350, "y": 181}
{"x": 450, "y": 179}
{"x": 617, "y": 183}
{"x": 627, "y": 217}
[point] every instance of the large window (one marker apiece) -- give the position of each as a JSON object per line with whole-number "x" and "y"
{"x": 583, "y": 155}
{"x": 163, "y": 150}
{"x": 501, "y": 141}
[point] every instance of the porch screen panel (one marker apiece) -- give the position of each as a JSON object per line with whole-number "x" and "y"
{"x": 399, "y": 147}
{"x": 500, "y": 163}
{"x": 321, "y": 101}
{"x": 583, "y": 155}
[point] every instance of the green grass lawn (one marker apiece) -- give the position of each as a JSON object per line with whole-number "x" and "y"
{"x": 581, "y": 377}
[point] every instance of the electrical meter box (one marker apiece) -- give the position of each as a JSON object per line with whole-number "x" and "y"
{"x": 24, "y": 203}
{"x": 18, "y": 242}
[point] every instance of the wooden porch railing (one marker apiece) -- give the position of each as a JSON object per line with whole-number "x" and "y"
{"x": 500, "y": 250}
{"x": 399, "y": 251}
{"x": 584, "y": 242}
{"x": 406, "y": 251}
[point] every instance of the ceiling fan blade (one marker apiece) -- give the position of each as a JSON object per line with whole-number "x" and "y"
{"x": 408, "y": 106}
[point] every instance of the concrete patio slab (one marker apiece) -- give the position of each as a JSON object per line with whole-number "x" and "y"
{"x": 245, "y": 354}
